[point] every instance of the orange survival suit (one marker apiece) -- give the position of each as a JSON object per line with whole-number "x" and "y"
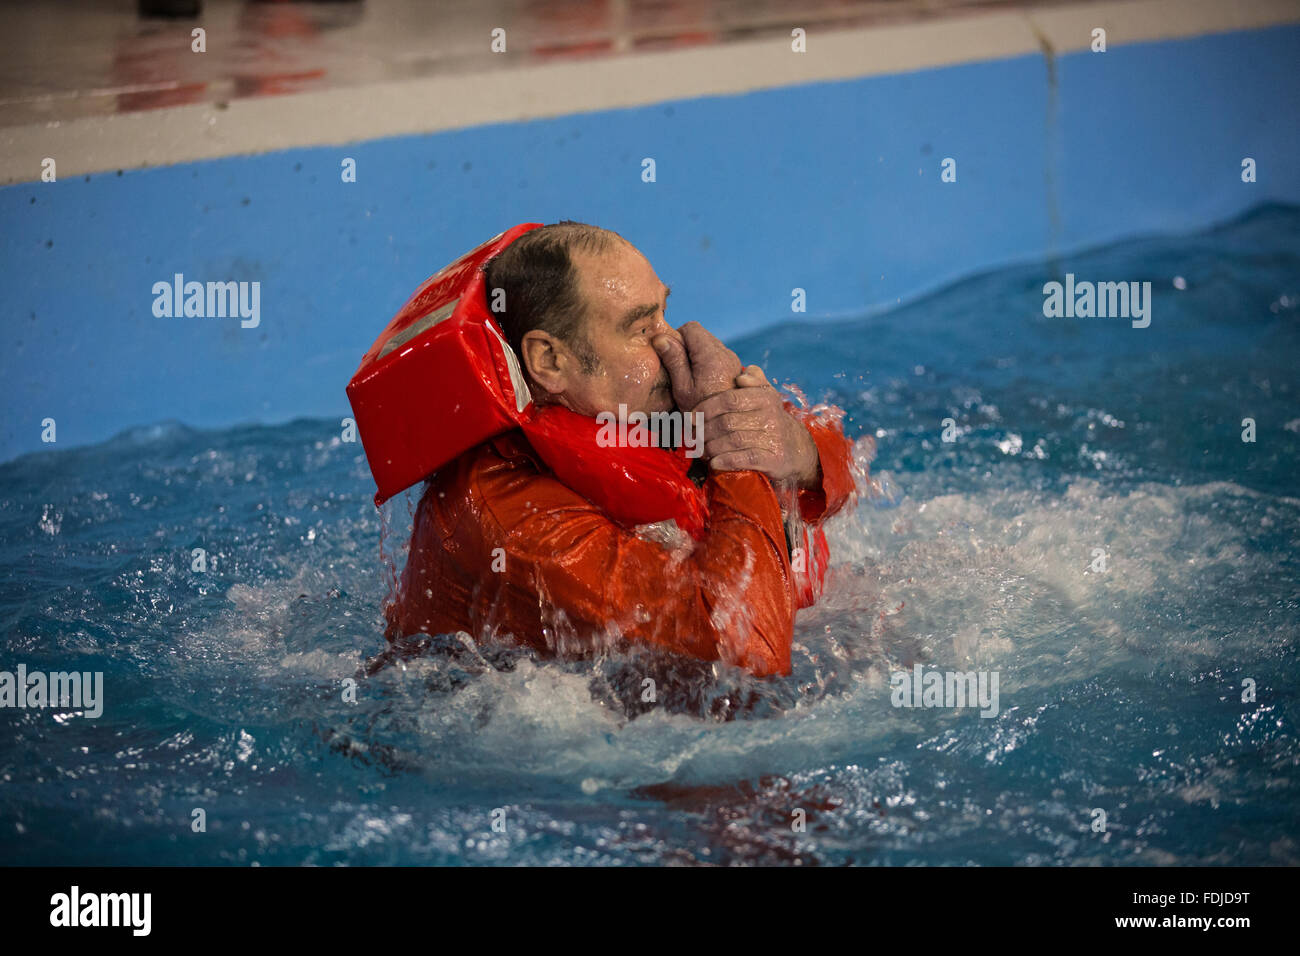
{"x": 501, "y": 545}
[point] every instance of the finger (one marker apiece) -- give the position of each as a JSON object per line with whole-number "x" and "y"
{"x": 733, "y": 400}
{"x": 733, "y": 360}
{"x": 698, "y": 339}
{"x": 706, "y": 347}
{"x": 738, "y": 441}
{"x": 733, "y": 422}
{"x": 752, "y": 377}
{"x": 674, "y": 358}
{"x": 746, "y": 459}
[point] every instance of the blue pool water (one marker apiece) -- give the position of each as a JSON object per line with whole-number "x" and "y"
{"x": 1119, "y": 691}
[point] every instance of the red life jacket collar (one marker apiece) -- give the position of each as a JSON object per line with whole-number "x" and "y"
{"x": 633, "y": 485}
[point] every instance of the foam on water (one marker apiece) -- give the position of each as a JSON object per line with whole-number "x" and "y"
{"x": 1119, "y": 689}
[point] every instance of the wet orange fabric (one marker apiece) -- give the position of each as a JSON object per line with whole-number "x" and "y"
{"x": 501, "y": 546}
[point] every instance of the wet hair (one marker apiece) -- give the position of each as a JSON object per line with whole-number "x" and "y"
{"x": 540, "y": 282}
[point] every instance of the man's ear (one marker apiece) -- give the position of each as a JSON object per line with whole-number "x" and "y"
{"x": 545, "y": 361}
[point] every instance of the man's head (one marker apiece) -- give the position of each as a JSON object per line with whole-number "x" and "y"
{"x": 581, "y": 307}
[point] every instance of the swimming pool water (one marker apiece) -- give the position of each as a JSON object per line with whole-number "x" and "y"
{"x": 1119, "y": 690}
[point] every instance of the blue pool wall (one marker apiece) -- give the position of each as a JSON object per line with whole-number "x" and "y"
{"x": 833, "y": 188}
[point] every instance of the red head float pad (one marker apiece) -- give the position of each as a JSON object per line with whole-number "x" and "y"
{"x": 440, "y": 379}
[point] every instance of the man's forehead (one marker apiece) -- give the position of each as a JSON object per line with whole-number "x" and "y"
{"x": 619, "y": 277}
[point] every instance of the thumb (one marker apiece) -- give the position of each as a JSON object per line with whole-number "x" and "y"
{"x": 674, "y": 358}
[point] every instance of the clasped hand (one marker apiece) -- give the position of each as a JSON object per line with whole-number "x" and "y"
{"x": 746, "y": 425}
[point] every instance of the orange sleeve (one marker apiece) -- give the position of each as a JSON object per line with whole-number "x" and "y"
{"x": 572, "y": 574}
{"x": 835, "y": 454}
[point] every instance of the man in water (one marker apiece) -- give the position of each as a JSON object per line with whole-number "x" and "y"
{"x": 502, "y": 546}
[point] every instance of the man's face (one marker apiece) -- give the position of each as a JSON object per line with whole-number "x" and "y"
{"x": 626, "y": 305}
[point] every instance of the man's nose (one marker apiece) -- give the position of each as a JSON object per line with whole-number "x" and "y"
{"x": 663, "y": 328}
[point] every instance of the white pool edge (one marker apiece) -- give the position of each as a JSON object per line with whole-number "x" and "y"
{"x": 258, "y": 125}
